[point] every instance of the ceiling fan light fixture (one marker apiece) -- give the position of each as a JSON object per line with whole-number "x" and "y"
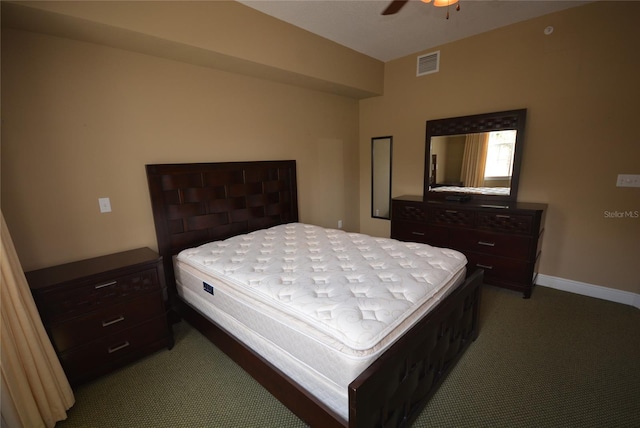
{"x": 396, "y": 5}
{"x": 443, "y": 3}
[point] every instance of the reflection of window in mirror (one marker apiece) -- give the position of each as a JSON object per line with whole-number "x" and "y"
{"x": 500, "y": 152}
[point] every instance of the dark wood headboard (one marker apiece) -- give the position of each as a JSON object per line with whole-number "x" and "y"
{"x": 202, "y": 202}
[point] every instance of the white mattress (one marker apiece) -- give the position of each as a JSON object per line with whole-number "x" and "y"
{"x": 320, "y": 304}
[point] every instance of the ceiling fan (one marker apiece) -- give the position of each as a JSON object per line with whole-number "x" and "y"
{"x": 396, "y": 5}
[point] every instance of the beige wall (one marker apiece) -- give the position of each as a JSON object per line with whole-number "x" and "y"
{"x": 81, "y": 120}
{"x": 225, "y": 35}
{"x": 580, "y": 86}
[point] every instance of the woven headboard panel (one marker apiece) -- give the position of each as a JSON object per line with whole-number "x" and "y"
{"x": 203, "y": 202}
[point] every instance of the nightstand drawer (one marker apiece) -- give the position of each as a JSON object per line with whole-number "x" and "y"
{"x": 513, "y": 246}
{"x": 110, "y": 350}
{"x": 91, "y": 295}
{"x": 106, "y": 321}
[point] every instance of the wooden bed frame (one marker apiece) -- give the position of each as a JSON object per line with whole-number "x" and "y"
{"x": 203, "y": 202}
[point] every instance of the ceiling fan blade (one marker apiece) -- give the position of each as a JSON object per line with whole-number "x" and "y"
{"x": 394, "y": 7}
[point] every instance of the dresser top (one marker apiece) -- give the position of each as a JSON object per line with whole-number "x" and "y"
{"x": 511, "y": 206}
{"x": 53, "y": 275}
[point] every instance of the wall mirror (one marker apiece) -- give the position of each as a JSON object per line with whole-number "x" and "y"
{"x": 474, "y": 157}
{"x": 381, "y": 150}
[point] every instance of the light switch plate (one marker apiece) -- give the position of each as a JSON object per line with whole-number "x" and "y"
{"x": 628, "y": 180}
{"x": 105, "y": 205}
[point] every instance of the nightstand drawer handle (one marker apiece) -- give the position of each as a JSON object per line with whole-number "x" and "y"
{"x": 106, "y": 284}
{"x": 487, "y": 244}
{"x": 418, "y": 233}
{"x": 484, "y": 266}
{"x": 451, "y": 211}
{"x": 106, "y": 323}
{"x": 502, "y": 216}
{"x": 117, "y": 348}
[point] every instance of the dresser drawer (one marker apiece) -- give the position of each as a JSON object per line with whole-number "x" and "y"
{"x": 504, "y": 245}
{"x": 505, "y": 223}
{"x": 110, "y": 351}
{"x": 106, "y": 321}
{"x": 414, "y": 232}
{"x": 91, "y": 295}
{"x": 501, "y": 270}
{"x": 409, "y": 231}
{"x": 438, "y": 236}
{"x": 452, "y": 217}
{"x": 409, "y": 211}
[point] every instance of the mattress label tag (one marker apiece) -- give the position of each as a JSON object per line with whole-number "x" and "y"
{"x": 207, "y": 287}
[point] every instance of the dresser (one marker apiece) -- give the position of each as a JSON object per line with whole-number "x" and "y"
{"x": 502, "y": 239}
{"x": 104, "y": 312}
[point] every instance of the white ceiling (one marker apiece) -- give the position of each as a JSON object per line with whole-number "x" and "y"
{"x": 359, "y": 25}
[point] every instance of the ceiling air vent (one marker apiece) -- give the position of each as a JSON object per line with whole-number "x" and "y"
{"x": 429, "y": 63}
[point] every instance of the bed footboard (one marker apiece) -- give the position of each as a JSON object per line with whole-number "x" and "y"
{"x": 395, "y": 388}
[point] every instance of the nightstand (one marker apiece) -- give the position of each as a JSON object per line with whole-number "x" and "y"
{"x": 104, "y": 312}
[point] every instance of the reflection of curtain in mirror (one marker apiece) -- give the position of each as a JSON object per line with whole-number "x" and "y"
{"x": 474, "y": 159}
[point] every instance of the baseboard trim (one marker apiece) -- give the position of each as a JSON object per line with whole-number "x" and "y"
{"x": 597, "y": 291}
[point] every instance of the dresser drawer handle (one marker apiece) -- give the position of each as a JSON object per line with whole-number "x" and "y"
{"x": 106, "y": 284}
{"x": 484, "y": 266}
{"x": 418, "y": 233}
{"x": 451, "y": 211}
{"x": 113, "y": 321}
{"x": 487, "y": 244}
{"x": 502, "y": 216}
{"x": 117, "y": 348}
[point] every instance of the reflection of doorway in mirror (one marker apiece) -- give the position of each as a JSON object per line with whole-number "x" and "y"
{"x": 434, "y": 169}
{"x": 500, "y": 153}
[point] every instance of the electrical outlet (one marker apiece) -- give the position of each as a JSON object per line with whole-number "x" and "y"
{"x": 339, "y": 224}
{"x": 628, "y": 180}
{"x": 105, "y": 205}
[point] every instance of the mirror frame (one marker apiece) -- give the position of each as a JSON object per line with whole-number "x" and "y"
{"x": 486, "y": 122}
{"x": 384, "y": 180}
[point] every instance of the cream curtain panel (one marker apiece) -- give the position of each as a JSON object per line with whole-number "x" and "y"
{"x": 35, "y": 390}
{"x": 474, "y": 159}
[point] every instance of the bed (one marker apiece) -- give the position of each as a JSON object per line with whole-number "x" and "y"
{"x": 201, "y": 210}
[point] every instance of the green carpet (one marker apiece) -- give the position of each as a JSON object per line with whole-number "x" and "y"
{"x": 555, "y": 360}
